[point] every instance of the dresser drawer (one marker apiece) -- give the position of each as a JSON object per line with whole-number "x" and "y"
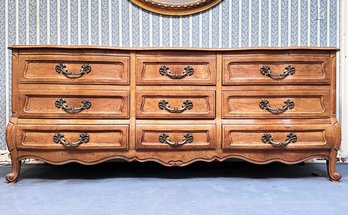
{"x": 276, "y": 69}
{"x": 73, "y": 104}
{"x": 275, "y": 104}
{"x": 72, "y": 137}
{"x": 175, "y": 104}
{"x": 70, "y": 69}
{"x": 176, "y": 69}
{"x": 175, "y": 137}
{"x": 276, "y": 137}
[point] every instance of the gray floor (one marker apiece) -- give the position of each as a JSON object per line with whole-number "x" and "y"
{"x": 148, "y": 188}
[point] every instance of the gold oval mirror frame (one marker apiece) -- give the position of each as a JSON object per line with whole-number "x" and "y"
{"x": 176, "y": 7}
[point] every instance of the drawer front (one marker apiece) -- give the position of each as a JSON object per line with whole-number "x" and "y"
{"x": 69, "y": 69}
{"x": 72, "y": 137}
{"x": 179, "y": 104}
{"x": 276, "y": 69}
{"x": 275, "y": 104}
{"x": 175, "y": 137}
{"x": 176, "y": 70}
{"x": 74, "y": 104}
{"x": 277, "y": 137}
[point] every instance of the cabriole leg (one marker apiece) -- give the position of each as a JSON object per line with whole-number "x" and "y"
{"x": 16, "y": 164}
{"x": 331, "y": 167}
{"x": 14, "y": 174}
{"x": 331, "y": 162}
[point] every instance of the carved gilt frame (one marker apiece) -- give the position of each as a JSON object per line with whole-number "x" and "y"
{"x": 176, "y": 7}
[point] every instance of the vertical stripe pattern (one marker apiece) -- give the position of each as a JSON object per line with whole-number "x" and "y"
{"x": 63, "y": 8}
{"x": 274, "y": 23}
{"x": 2, "y": 74}
{"x": 115, "y": 23}
{"x": 265, "y": 23}
{"x": 285, "y": 13}
{"x": 294, "y": 17}
{"x": 233, "y": 23}
{"x": 74, "y": 22}
{"x": 304, "y": 23}
{"x": 255, "y": 16}
{"x": 145, "y": 29}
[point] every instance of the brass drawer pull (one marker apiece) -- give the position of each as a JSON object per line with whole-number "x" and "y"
{"x": 290, "y": 138}
{"x": 164, "y": 138}
{"x": 60, "y": 139}
{"x": 61, "y": 69}
{"x": 62, "y": 104}
{"x": 288, "y": 104}
{"x": 289, "y": 70}
{"x": 187, "y": 105}
{"x": 164, "y": 71}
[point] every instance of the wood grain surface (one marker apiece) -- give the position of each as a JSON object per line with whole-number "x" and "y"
{"x": 213, "y": 114}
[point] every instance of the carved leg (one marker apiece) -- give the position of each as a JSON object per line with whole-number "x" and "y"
{"x": 16, "y": 164}
{"x": 331, "y": 162}
{"x": 14, "y": 174}
{"x": 331, "y": 167}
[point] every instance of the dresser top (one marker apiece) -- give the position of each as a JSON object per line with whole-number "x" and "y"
{"x": 170, "y": 48}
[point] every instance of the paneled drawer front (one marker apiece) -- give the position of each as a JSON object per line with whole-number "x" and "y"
{"x": 276, "y": 69}
{"x": 275, "y": 104}
{"x": 276, "y": 137}
{"x": 175, "y": 104}
{"x": 175, "y": 137}
{"x": 65, "y": 69}
{"x": 72, "y": 137}
{"x": 74, "y": 104}
{"x": 176, "y": 69}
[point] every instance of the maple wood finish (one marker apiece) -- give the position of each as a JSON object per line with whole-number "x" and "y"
{"x": 109, "y": 137}
{"x": 173, "y": 106}
{"x": 247, "y": 104}
{"x": 203, "y": 137}
{"x": 310, "y": 68}
{"x": 44, "y": 104}
{"x": 108, "y": 68}
{"x": 149, "y": 64}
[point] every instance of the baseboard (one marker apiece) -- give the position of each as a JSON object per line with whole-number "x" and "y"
{"x": 4, "y": 157}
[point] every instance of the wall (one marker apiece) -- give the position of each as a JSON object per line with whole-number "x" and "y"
{"x": 233, "y": 23}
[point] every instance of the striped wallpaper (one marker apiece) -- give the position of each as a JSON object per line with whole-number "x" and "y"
{"x": 233, "y": 23}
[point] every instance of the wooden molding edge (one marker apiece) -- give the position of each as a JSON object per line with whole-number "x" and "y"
{"x": 171, "y": 163}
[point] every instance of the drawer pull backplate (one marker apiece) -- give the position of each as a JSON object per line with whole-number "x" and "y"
{"x": 60, "y": 139}
{"x": 61, "y": 69}
{"x": 164, "y": 138}
{"x": 62, "y": 104}
{"x": 290, "y": 138}
{"x": 164, "y": 71}
{"x": 164, "y": 105}
{"x": 288, "y": 104}
{"x": 289, "y": 70}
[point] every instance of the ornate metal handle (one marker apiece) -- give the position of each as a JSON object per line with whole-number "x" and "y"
{"x": 290, "y": 138}
{"x": 164, "y": 138}
{"x": 288, "y": 104}
{"x": 62, "y": 104}
{"x": 188, "y": 71}
{"x": 187, "y": 105}
{"x": 60, "y": 139}
{"x": 289, "y": 70}
{"x": 61, "y": 69}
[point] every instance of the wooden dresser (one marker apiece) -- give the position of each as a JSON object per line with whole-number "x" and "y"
{"x": 173, "y": 106}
